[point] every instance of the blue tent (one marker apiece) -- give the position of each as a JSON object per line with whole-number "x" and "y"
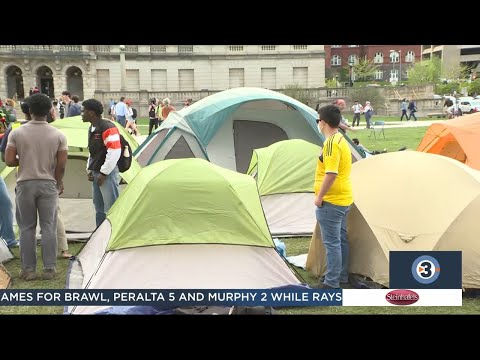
{"x": 224, "y": 128}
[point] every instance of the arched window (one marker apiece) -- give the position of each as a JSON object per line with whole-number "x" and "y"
{"x": 336, "y": 60}
{"x": 378, "y": 58}
{"x": 379, "y": 75}
{"x": 410, "y": 56}
{"x": 394, "y": 56}
{"x": 353, "y": 59}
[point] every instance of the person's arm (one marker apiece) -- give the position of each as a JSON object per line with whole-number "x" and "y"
{"x": 3, "y": 143}
{"x": 111, "y": 139}
{"x": 62, "y": 156}
{"x": 331, "y": 158}
{"x": 11, "y": 156}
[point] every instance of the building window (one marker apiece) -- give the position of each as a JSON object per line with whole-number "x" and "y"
{"x": 379, "y": 75}
{"x": 236, "y": 78}
{"x": 186, "y": 79}
{"x": 185, "y": 49}
{"x": 336, "y": 46}
{"x": 353, "y": 45}
{"x": 269, "y": 47}
{"x": 394, "y": 75}
{"x": 353, "y": 59}
{"x": 300, "y": 47}
{"x": 394, "y": 57}
{"x": 133, "y": 80}
{"x": 159, "y": 80}
{"x": 336, "y": 60}
{"x": 269, "y": 78}
{"x": 103, "y": 79}
{"x": 235, "y": 47}
{"x": 300, "y": 76}
{"x": 378, "y": 58}
{"x": 410, "y": 57}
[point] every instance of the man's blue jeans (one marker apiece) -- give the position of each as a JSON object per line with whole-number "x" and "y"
{"x": 104, "y": 196}
{"x": 333, "y": 225}
{"x": 122, "y": 120}
{"x": 6, "y": 215}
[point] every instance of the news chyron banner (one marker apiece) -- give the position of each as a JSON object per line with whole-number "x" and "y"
{"x": 417, "y": 278}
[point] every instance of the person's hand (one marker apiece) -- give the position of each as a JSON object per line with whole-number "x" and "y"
{"x": 101, "y": 179}
{"x": 90, "y": 176}
{"x": 60, "y": 188}
{"x": 318, "y": 201}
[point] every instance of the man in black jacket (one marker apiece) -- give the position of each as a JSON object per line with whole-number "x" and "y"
{"x": 105, "y": 150}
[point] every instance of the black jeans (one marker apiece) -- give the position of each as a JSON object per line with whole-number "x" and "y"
{"x": 151, "y": 124}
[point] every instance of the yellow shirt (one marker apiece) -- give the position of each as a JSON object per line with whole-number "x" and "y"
{"x": 336, "y": 158}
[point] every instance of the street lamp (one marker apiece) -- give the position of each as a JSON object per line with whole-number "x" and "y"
{"x": 350, "y": 64}
{"x": 123, "y": 70}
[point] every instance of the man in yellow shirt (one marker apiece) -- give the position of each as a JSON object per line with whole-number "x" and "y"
{"x": 333, "y": 196}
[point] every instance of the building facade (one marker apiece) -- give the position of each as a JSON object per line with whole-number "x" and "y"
{"x": 392, "y": 61}
{"x": 85, "y": 70}
{"x": 454, "y": 55}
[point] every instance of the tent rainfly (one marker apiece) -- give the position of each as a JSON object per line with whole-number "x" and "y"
{"x": 285, "y": 173}
{"x": 145, "y": 243}
{"x": 225, "y": 127}
{"x": 457, "y": 138}
{"x": 436, "y": 210}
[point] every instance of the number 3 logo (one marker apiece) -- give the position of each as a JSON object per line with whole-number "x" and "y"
{"x": 425, "y": 269}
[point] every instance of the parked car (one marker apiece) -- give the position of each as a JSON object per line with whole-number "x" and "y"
{"x": 475, "y": 104}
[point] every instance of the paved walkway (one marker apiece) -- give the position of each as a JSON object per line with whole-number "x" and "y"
{"x": 405, "y": 124}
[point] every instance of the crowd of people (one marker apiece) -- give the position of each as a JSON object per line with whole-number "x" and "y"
{"x": 40, "y": 152}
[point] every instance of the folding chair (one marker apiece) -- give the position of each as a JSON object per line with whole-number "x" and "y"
{"x": 377, "y": 127}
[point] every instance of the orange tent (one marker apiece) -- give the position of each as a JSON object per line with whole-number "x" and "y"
{"x": 457, "y": 138}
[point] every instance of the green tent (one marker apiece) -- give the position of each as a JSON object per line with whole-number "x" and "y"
{"x": 182, "y": 224}
{"x": 285, "y": 173}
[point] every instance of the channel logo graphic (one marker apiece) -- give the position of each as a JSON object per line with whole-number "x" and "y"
{"x": 425, "y": 269}
{"x": 402, "y": 297}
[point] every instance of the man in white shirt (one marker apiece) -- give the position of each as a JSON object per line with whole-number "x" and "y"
{"x": 357, "y": 110}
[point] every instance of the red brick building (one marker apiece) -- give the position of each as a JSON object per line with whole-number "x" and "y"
{"x": 390, "y": 59}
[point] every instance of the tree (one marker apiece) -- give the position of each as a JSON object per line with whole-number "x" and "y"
{"x": 331, "y": 83}
{"x": 365, "y": 69}
{"x": 455, "y": 71}
{"x": 425, "y": 72}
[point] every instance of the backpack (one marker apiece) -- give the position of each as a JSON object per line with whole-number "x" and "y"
{"x": 125, "y": 160}
{"x": 152, "y": 113}
{"x": 134, "y": 111}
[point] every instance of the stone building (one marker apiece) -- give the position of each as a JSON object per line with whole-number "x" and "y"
{"x": 111, "y": 70}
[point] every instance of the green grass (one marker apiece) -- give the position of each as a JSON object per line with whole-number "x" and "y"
{"x": 297, "y": 246}
{"x": 395, "y": 138}
{"x": 14, "y": 268}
